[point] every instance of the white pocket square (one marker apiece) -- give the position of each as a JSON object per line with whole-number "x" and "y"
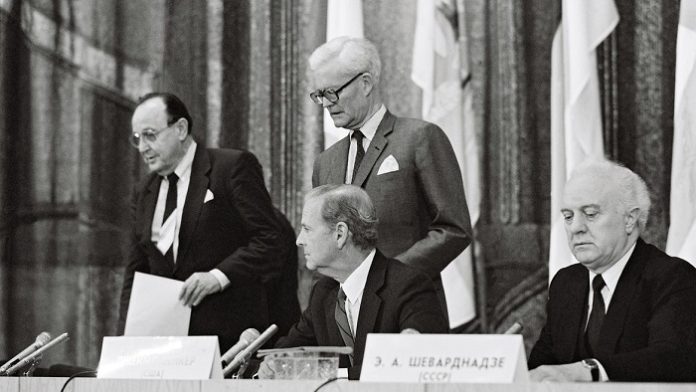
{"x": 388, "y": 165}
{"x": 208, "y": 196}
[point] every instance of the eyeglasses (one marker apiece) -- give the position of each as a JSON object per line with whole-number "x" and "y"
{"x": 330, "y": 94}
{"x": 148, "y": 134}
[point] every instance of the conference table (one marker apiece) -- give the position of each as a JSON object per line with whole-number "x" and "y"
{"x": 54, "y": 384}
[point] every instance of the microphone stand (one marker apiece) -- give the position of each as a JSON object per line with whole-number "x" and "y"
{"x": 34, "y": 358}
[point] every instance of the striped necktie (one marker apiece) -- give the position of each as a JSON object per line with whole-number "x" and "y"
{"x": 342, "y": 322}
{"x": 169, "y": 207}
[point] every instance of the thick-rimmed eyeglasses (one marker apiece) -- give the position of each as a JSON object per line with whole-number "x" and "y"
{"x": 330, "y": 94}
{"x": 147, "y": 134}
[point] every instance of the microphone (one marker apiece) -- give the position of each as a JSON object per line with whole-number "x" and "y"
{"x": 244, "y": 356}
{"x": 246, "y": 337}
{"x": 514, "y": 329}
{"x": 41, "y": 339}
{"x": 29, "y": 358}
{"x": 410, "y": 331}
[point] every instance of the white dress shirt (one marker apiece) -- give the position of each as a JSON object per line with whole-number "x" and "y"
{"x": 183, "y": 171}
{"x": 353, "y": 287}
{"x": 368, "y": 129}
{"x": 611, "y": 279}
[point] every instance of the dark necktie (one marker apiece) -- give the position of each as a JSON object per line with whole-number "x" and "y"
{"x": 359, "y": 152}
{"x": 169, "y": 207}
{"x": 342, "y": 321}
{"x": 594, "y": 324}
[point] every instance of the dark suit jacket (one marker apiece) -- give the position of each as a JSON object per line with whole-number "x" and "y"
{"x": 649, "y": 331}
{"x": 236, "y": 232}
{"x": 396, "y": 297}
{"x": 423, "y": 217}
{"x": 282, "y": 293}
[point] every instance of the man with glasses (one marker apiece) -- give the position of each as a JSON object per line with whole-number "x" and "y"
{"x": 407, "y": 166}
{"x": 203, "y": 216}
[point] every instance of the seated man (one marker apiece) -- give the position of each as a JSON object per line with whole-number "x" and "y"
{"x": 627, "y": 311}
{"x": 363, "y": 291}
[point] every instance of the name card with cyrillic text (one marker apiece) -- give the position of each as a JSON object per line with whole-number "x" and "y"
{"x": 435, "y": 358}
{"x": 161, "y": 357}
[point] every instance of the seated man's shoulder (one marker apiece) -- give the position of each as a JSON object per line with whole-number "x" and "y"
{"x": 322, "y": 286}
{"x": 570, "y": 273}
{"x": 661, "y": 266}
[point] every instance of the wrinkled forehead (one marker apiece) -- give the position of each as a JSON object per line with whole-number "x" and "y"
{"x": 588, "y": 190}
{"x": 331, "y": 74}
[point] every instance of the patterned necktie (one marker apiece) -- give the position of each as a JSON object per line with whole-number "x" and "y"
{"x": 169, "y": 207}
{"x": 594, "y": 325}
{"x": 359, "y": 152}
{"x": 342, "y": 322}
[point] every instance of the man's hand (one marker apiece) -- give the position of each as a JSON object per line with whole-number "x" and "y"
{"x": 197, "y": 287}
{"x": 575, "y": 371}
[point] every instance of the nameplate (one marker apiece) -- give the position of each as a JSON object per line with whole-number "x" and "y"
{"x": 161, "y": 357}
{"x": 434, "y": 358}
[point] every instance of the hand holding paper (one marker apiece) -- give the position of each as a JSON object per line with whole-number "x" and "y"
{"x": 197, "y": 287}
{"x": 154, "y": 309}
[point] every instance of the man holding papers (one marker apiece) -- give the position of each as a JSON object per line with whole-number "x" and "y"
{"x": 627, "y": 311}
{"x": 202, "y": 216}
{"x": 362, "y": 291}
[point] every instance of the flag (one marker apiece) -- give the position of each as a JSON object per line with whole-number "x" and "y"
{"x": 438, "y": 72}
{"x": 681, "y": 239}
{"x": 344, "y": 18}
{"x": 576, "y": 118}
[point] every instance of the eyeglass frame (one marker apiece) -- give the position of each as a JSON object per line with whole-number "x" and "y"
{"x": 148, "y": 133}
{"x": 317, "y": 95}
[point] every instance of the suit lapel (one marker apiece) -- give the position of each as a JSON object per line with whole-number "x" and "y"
{"x": 371, "y": 303}
{"x": 577, "y": 289}
{"x": 337, "y": 171}
{"x": 195, "y": 196}
{"x": 621, "y": 299}
{"x": 375, "y": 149}
{"x": 329, "y": 305}
{"x": 149, "y": 202}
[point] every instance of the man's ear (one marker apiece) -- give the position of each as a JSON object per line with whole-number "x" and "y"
{"x": 631, "y": 220}
{"x": 367, "y": 83}
{"x": 341, "y": 234}
{"x": 181, "y": 128}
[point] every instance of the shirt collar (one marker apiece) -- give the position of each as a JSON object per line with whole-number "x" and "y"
{"x": 183, "y": 169}
{"x": 355, "y": 283}
{"x": 370, "y": 127}
{"x": 611, "y": 276}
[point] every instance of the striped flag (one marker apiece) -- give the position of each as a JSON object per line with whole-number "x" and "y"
{"x": 438, "y": 72}
{"x": 681, "y": 240}
{"x": 576, "y": 122}
{"x": 344, "y": 18}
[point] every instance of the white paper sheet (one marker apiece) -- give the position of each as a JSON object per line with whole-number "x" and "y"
{"x": 155, "y": 309}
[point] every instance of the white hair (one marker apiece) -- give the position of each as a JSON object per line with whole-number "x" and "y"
{"x": 629, "y": 187}
{"x": 354, "y": 55}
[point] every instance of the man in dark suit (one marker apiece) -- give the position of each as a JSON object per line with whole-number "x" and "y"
{"x": 202, "y": 216}
{"x": 627, "y": 311}
{"x": 362, "y": 291}
{"x": 407, "y": 166}
{"x": 284, "y": 307}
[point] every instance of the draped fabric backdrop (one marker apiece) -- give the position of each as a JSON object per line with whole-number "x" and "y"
{"x": 71, "y": 70}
